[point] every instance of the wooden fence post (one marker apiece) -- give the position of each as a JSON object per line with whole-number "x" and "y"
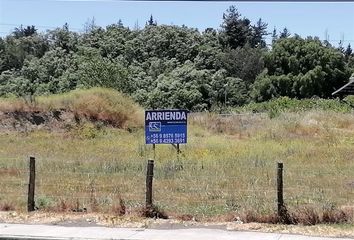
{"x": 280, "y": 199}
{"x": 178, "y": 150}
{"x": 31, "y": 185}
{"x": 149, "y": 177}
{"x": 154, "y": 150}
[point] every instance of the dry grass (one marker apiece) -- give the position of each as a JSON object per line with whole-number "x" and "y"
{"x": 252, "y": 216}
{"x": 311, "y": 215}
{"x": 96, "y": 104}
{"x": 15, "y": 104}
{"x": 7, "y": 207}
{"x": 226, "y": 167}
{"x": 152, "y": 212}
{"x": 119, "y": 208}
{"x": 337, "y": 216}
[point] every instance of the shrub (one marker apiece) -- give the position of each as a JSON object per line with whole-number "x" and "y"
{"x": 306, "y": 216}
{"x": 286, "y": 104}
{"x": 335, "y": 216}
{"x": 44, "y": 202}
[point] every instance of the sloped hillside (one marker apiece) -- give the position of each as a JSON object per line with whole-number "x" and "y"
{"x": 61, "y": 111}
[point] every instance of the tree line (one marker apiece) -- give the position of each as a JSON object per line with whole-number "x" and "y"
{"x": 167, "y": 66}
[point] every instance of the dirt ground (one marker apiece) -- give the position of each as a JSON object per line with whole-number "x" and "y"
{"x": 94, "y": 219}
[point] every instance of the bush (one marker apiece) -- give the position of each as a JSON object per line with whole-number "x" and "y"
{"x": 285, "y": 104}
{"x": 44, "y": 202}
{"x": 87, "y": 131}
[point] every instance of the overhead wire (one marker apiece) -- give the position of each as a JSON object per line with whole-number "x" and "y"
{"x": 81, "y": 29}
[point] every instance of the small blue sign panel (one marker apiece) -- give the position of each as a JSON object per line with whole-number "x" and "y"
{"x": 166, "y": 126}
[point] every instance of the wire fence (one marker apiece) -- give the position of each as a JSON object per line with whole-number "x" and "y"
{"x": 181, "y": 186}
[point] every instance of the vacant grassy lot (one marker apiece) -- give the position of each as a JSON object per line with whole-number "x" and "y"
{"x": 228, "y": 165}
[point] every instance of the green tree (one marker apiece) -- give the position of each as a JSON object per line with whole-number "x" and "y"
{"x": 184, "y": 87}
{"x": 14, "y": 50}
{"x": 151, "y": 21}
{"x": 97, "y": 71}
{"x": 259, "y": 31}
{"x": 236, "y": 31}
{"x": 244, "y": 63}
{"x": 305, "y": 67}
{"x": 64, "y": 38}
{"x": 227, "y": 91}
{"x": 47, "y": 73}
{"x": 13, "y": 84}
{"x": 208, "y": 51}
{"x": 285, "y": 33}
{"x": 348, "y": 51}
{"x": 24, "y": 32}
{"x": 274, "y": 35}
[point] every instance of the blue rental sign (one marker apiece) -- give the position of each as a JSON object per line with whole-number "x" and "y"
{"x": 165, "y": 126}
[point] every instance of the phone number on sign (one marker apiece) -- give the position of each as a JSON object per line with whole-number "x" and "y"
{"x": 169, "y": 140}
{"x": 168, "y": 135}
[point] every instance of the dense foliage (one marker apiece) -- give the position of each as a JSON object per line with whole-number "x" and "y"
{"x": 286, "y": 104}
{"x": 301, "y": 68}
{"x": 163, "y": 66}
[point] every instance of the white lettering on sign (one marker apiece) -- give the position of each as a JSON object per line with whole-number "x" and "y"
{"x": 160, "y": 116}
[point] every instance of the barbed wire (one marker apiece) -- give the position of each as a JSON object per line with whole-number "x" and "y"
{"x": 38, "y": 26}
{"x": 16, "y": 183}
{"x": 13, "y": 170}
{"x": 99, "y": 187}
{"x": 10, "y": 194}
{"x": 158, "y": 196}
{"x": 136, "y": 197}
{"x": 180, "y": 171}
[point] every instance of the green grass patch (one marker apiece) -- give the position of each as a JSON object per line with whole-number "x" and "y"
{"x": 285, "y": 104}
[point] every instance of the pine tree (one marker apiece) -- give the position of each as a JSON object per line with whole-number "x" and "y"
{"x": 274, "y": 35}
{"x": 29, "y": 31}
{"x": 285, "y": 33}
{"x": 120, "y": 23}
{"x": 66, "y": 27}
{"x": 348, "y": 52}
{"x": 237, "y": 31}
{"x": 259, "y": 31}
{"x": 340, "y": 47}
{"x": 24, "y": 32}
{"x": 151, "y": 21}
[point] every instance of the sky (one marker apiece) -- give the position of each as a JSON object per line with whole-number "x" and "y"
{"x": 321, "y": 19}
